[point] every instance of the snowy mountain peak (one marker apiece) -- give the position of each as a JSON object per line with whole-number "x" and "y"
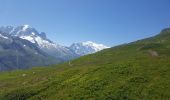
{"x": 24, "y": 30}
{"x": 87, "y": 47}
{"x": 25, "y": 27}
{"x": 29, "y": 33}
{"x": 93, "y": 44}
{"x": 88, "y": 42}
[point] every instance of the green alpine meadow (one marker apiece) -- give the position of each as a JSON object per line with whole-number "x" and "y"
{"x": 137, "y": 70}
{"x": 84, "y": 49}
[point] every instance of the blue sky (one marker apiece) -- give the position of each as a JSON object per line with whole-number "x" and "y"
{"x": 110, "y": 22}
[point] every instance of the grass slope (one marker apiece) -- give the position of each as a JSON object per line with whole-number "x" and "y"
{"x": 134, "y": 71}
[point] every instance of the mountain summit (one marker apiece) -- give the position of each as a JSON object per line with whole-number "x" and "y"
{"x": 88, "y": 47}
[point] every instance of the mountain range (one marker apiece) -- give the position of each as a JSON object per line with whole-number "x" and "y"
{"x": 138, "y": 70}
{"x": 38, "y": 40}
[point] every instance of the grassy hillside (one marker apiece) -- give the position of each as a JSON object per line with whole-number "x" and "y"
{"x": 136, "y": 71}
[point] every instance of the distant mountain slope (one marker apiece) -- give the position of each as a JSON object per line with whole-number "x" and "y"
{"x": 136, "y": 71}
{"x": 16, "y": 53}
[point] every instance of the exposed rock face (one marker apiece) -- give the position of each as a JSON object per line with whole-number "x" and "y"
{"x": 153, "y": 53}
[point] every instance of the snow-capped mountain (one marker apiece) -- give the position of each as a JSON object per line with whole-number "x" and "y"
{"x": 29, "y": 33}
{"x": 17, "y": 53}
{"x": 88, "y": 47}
